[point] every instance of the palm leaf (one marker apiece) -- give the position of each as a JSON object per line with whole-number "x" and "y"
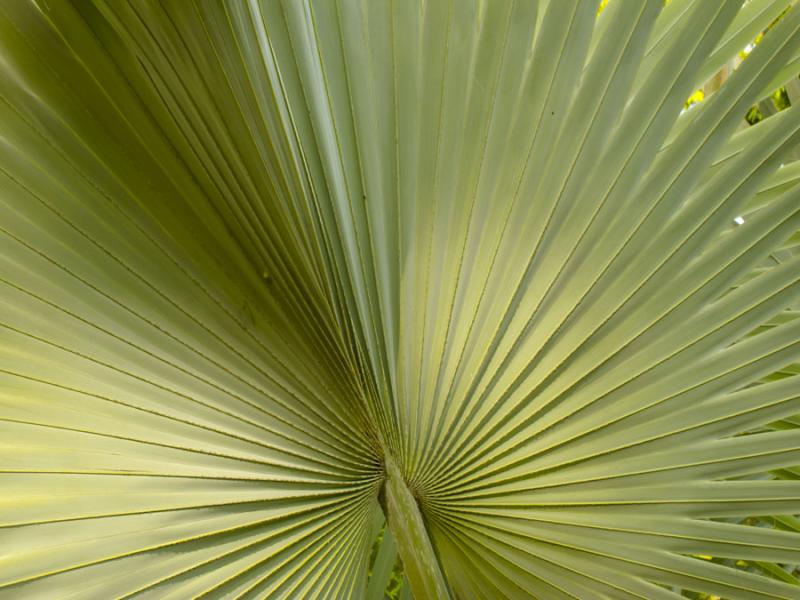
{"x": 270, "y": 269}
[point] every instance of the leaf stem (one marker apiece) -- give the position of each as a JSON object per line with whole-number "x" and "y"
{"x": 411, "y": 536}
